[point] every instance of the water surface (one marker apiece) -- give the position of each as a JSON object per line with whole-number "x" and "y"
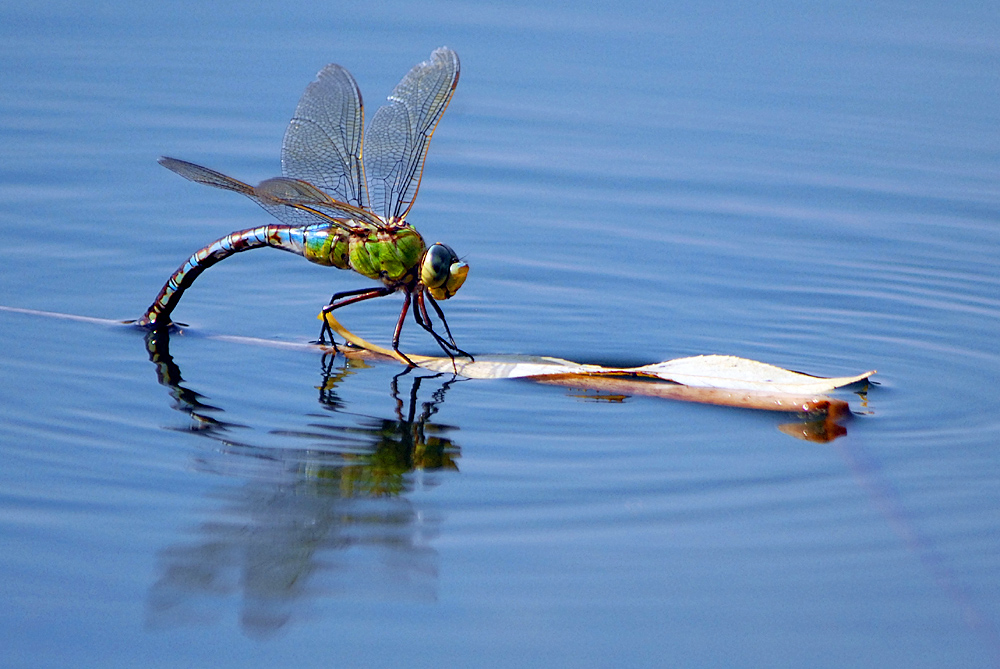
{"x": 812, "y": 187}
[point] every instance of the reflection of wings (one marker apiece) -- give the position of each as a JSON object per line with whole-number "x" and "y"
{"x": 401, "y": 131}
{"x": 293, "y": 201}
{"x": 323, "y": 142}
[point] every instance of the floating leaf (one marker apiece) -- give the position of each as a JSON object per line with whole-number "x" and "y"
{"x": 713, "y": 379}
{"x": 727, "y": 371}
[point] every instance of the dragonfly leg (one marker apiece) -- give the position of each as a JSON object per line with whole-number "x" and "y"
{"x": 444, "y": 321}
{"x": 426, "y": 324}
{"x": 420, "y": 316}
{"x": 423, "y": 320}
{"x": 399, "y": 328}
{"x": 345, "y": 298}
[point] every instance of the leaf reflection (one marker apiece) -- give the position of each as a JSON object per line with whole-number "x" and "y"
{"x": 329, "y": 518}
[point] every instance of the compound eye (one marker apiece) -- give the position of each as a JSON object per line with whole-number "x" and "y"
{"x": 442, "y": 272}
{"x": 436, "y": 266}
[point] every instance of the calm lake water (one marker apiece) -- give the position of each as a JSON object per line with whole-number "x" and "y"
{"x": 815, "y": 187}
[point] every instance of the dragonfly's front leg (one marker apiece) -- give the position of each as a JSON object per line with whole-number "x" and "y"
{"x": 423, "y": 318}
{"x": 345, "y": 298}
{"x": 424, "y": 321}
{"x": 444, "y": 321}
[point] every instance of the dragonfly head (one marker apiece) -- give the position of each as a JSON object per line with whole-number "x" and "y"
{"x": 442, "y": 272}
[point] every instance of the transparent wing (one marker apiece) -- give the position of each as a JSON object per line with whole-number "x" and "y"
{"x": 401, "y": 131}
{"x": 323, "y": 141}
{"x": 292, "y": 201}
{"x": 203, "y": 175}
{"x": 295, "y": 202}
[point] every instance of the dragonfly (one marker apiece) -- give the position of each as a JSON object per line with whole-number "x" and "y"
{"x": 344, "y": 196}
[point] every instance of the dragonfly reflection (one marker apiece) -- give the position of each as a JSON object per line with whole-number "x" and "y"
{"x": 325, "y": 511}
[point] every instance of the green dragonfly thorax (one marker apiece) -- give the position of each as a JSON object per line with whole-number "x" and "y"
{"x": 396, "y": 256}
{"x": 389, "y": 256}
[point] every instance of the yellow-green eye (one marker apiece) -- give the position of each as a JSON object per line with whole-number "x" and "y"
{"x": 442, "y": 272}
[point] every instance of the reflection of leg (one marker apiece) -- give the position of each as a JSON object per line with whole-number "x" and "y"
{"x": 345, "y": 298}
{"x": 429, "y": 408}
{"x": 331, "y": 377}
{"x": 394, "y": 386}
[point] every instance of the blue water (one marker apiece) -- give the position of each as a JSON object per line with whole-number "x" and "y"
{"x": 812, "y": 186}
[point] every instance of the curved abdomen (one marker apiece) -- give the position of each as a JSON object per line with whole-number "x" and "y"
{"x": 322, "y": 244}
